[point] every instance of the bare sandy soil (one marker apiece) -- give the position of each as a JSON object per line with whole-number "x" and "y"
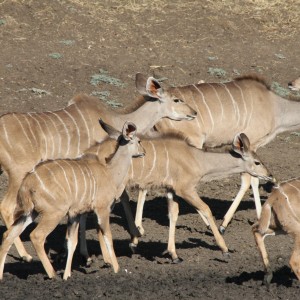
{"x": 51, "y": 50}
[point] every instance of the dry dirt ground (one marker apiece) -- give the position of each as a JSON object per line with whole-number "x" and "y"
{"x": 51, "y": 50}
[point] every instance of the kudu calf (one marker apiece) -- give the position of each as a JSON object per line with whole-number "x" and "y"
{"x": 173, "y": 164}
{"x": 63, "y": 187}
{"x": 29, "y": 138}
{"x": 281, "y": 212}
{"x": 246, "y": 105}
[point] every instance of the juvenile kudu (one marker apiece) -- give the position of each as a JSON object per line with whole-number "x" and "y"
{"x": 29, "y": 138}
{"x": 280, "y": 213}
{"x": 173, "y": 164}
{"x": 223, "y": 109}
{"x": 63, "y": 187}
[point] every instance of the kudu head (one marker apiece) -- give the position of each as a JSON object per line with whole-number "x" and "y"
{"x": 174, "y": 108}
{"x": 126, "y": 138}
{"x": 252, "y": 163}
{"x": 294, "y": 85}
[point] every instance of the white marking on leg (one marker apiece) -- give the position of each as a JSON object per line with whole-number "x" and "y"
{"x": 108, "y": 245}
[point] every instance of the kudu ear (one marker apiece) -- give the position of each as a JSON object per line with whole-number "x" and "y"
{"x": 112, "y": 132}
{"x": 148, "y": 86}
{"x": 129, "y": 131}
{"x": 241, "y": 144}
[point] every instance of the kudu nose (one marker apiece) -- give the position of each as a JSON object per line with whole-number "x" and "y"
{"x": 290, "y": 84}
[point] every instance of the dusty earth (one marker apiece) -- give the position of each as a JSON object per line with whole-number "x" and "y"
{"x": 51, "y": 50}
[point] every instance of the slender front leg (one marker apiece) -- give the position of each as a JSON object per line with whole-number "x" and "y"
{"x": 259, "y": 240}
{"x": 139, "y": 215}
{"x": 245, "y": 184}
{"x": 192, "y": 198}
{"x": 106, "y": 241}
{"x": 72, "y": 243}
{"x": 255, "y": 189}
{"x": 173, "y": 209}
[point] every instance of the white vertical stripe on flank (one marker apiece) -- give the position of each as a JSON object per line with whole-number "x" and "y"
{"x": 56, "y": 181}
{"x": 85, "y": 123}
{"x": 5, "y": 133}
{"x": 251, "y": 112}
{"x": 244, "y": 102}
{"x": 207, "y": 108}
{"x": 235, "y": 106}
{"x": 143, "y": 166}
{"x": 49, "y": 135}
{"x": 77, "y": 129}
{"x": 31, "y": 131}
{"x": 75, "y": 178}
{"x": 154, "y": 160}
{"x": 298, "y": 190}
{"x": 24, "y": 131}
{"x": 42, "y": 131}
{"x": 43, "y": 185}
{"x": 84, "y": 180}
{"x": 91, "y": 185}
{"x": 58, "y": 134}
{"x": 66, "y": 130}
{"x": 218, "y": 97}
{"x": 57, "y": 162}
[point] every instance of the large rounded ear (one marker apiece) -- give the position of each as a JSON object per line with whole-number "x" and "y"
{"x": 129, "y": 131}
{"x": 112, "y": 132}
{"x": 148, "y": 86}
{"x": 241, "y": 144}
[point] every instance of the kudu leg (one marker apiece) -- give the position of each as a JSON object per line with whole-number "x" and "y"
{"x": 8, "y": 239}
{"x": 245, "y": 184}
{"x": 7, "y": 208}
{"x": 104, "y": 229}
{"x": 73, "y": 225}
{"x": 255, "y": 189}
{"x": 38, "y": 236}
{"x": 173, "y": 209}
{"x": 193, "y": 199}
{"x": 83, "y": 250}
{"x": 259, "y": 240}
{"x": 139, "y": 215}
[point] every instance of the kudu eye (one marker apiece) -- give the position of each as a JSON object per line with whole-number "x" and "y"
{"x": 177, "y": 100}
{"x": 258, "y": 163}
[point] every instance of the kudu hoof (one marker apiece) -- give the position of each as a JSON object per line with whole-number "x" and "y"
{"x": 133, "y": 248}
{"x": 177, "y": 260}
{"x": 267, "y": 279}
{"x": 222, "y": 229}
{"x": 27, "y": 258}
{"x": 88, "y": 262}
{"x": 226, "y": 255}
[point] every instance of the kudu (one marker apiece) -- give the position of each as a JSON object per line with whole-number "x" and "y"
{"x": 173, "y": 164}
{"x": 294, "y": 85}
{"x": 29, "y": 138}
{"x": 280, "y": 213}
{"x": 245, "y": 104}
{"x": 63, "y": 187}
